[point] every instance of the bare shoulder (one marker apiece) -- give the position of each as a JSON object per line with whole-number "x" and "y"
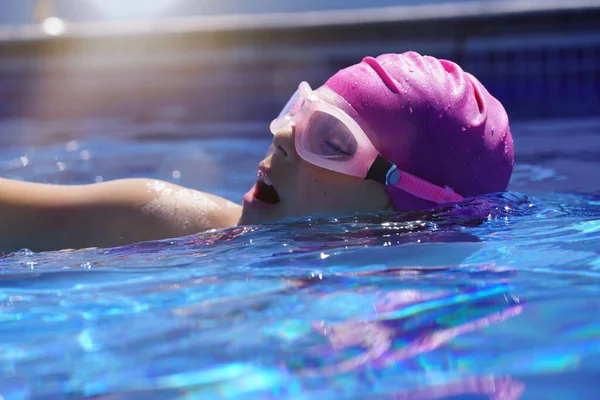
{"x": 185, "y": 210}
{"x": 105, "y": 214}
{"x": 163, "y": 209}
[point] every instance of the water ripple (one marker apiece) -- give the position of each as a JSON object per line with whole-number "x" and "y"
{"x": 396, "y": 305}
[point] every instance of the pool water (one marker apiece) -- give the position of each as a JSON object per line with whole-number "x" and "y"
{"x": 499, "y": 299}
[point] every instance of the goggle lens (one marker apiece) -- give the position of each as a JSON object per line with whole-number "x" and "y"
{"x": 326, "y": 136}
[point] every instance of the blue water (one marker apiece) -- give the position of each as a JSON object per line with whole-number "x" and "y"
{"x": 497, "y": 300}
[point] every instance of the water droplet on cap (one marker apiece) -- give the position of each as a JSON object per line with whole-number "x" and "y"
{"x": 411, "y": 69}
{"x": 463, "y": 129}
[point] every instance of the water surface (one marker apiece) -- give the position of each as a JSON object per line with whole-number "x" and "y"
{"x": 498, "y": 299}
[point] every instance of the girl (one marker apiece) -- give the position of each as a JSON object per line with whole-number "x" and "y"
{"x": 396, "y": 132}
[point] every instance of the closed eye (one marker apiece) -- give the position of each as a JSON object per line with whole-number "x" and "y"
{"x": 337, "y": 149}
{"x": 329, "y": 137}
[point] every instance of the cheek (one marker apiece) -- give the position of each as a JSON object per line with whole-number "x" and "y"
{"x": 313, "y": 192}
{"x": 316, "y": 190}
{"x": 327, "y": 192}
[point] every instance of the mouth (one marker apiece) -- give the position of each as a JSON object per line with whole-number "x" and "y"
{"x": 263, "y": 194}
{"x": 264, "y": 189}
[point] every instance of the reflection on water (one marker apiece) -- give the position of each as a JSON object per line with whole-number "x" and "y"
{"x": 299, "y": 310}
{"x": 504, "y": 388}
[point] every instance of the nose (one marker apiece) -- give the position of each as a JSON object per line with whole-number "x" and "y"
{"x": 283, "y": 143}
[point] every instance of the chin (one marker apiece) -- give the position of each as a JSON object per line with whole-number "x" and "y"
{"x": 256, "y": 217}
{"x": 247, "y": 217}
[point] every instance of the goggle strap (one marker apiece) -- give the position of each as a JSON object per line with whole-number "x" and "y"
{"x": 378, "y": 171}
{"x": 426, "y": 190}
{"x": 386, "y": 172}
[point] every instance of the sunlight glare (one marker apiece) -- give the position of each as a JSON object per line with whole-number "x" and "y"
{"x": 132, "y": 9}
{"x": 54, "y": 26}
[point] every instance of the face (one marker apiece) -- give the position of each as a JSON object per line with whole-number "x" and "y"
{"x": 288, "y": 187}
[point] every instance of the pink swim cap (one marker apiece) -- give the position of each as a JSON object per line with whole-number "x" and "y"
{"x": 431, "y": 119}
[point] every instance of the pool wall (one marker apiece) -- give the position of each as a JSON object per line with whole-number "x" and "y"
{"x": 542, "y": 60}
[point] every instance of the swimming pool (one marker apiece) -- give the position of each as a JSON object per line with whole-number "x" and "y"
{"x": 499, "y": 301}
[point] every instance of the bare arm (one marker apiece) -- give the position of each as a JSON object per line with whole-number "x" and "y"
{"x": 50, "y": 217}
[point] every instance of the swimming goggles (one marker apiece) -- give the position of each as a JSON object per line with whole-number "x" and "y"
{"x": 329, "y": 134}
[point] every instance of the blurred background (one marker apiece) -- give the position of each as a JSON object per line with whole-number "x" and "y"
{"x": 237, "y": 60}
{"x": 168, "y": 69}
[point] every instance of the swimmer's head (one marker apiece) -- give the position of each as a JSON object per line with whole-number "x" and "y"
{"x": 426, "y": 116}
